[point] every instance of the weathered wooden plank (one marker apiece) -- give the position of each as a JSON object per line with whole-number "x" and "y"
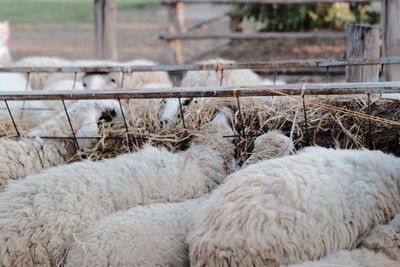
{"x": 175, "y": 26}
{"x": 290, "y": 89}
{"x": 255, "y": 36}
{"x": 105, "y": 15}
{"x": 391, "y": 37}
{"x": 171, "y": 2}
{"x": 362, "y": 42}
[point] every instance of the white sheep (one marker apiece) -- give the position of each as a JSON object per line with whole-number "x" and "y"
{"x": 296, "y": 208}
{"x": 209, "y": 78}
{"x": 352, "y": 258}
{"x": 113, "y": 80}
{"x": 12, "y": 82}
{"x": 153, "y": 235}
{"x": 30, "y": 155}
{"x": 381, "y": 247}
{"x": 5, "y": 55}
{"x": 41, "y": 109}
{"x": 270, "y": 145}
{"x": 39, "y": 214}
{"x": 40, "y": 80}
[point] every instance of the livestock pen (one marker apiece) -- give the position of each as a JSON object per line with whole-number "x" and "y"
{"x": 353, "y": 116}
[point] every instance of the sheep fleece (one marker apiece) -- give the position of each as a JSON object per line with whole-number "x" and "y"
{"x": 153, "y": 235}
{"x": 296, "y": 208}
{"x": 39, "y": 214}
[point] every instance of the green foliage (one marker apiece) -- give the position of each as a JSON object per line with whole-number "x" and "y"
{"x": 57, "y": 13}
{"x": 294, "y": 17}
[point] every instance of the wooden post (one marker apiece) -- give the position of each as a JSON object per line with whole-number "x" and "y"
{"x": 235, "y": 24}
{"x": 362, "y": 42}
{"x": 176, "y": 26}
{"x": 391, "y": 37}
{"x": 105, "y": 16}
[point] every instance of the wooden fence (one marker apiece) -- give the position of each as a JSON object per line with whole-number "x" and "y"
{"x": 177, "y": 31}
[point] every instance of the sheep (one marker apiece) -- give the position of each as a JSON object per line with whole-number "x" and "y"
{"x": 153, "y": 235}
{"x": 209, "y": 78}
{"x": 5, "y": 55}
{"x": 39, "y": 214}
{"x": 380, "y": 248}
{"x": 38, "y": 81}
{"x": 385, "y": 238}
{"x": 42, "y": 109}
{"x": 355, "y": 258}
{"x": 30, "y": 155}
{"x": 296, "y": 208}
{"x": 270, "y": 145}
{"x": 113, "y": 80}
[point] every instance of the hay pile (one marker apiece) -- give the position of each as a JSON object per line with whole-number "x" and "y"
{"x": 325, "y": 128}
{"x": 258, "y": 115}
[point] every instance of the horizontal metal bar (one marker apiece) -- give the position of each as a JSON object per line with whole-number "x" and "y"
{"x": 255, "y": 36}
{"x": 227, "y": 91}
{"x": 226, "y": 66}
{"x": 77, "y": 137}
{"x": 173, "y": 2}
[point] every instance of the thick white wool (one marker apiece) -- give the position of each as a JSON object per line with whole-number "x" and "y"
{"x": 19, "y": 158}
{"x": 272, "y": 144}
{"x": 154, "y": 235}
{"x": 114, "y": 80}
{"x": 39, "y": 214}
{"x": 381, "y": 247}
{"x": 296, "y": 208}
{"x": 354, "y": 258}
{"x": 210, "y": 78}
{"x": 40, "y": 80}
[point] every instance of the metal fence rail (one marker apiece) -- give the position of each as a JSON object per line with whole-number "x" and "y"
{"x": 225, "y": 91}
{"x": 225, "y": 66}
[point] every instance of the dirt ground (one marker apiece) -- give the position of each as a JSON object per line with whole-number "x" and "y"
{"x": 138, "y": 37}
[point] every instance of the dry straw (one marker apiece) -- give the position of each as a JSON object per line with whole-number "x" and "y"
{"x": 326, "y": 127}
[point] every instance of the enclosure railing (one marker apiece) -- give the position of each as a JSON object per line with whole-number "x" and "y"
{"x": 293, "y": 90}
{"x": 177, "y": 30}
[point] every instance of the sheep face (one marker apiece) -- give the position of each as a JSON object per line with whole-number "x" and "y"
{"x": 95, "y": 111}
{"x": 100, "y": 81}
{"x": 172, "y": 107}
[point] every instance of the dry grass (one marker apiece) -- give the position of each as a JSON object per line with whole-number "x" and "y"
{"x": 325, "y": 128}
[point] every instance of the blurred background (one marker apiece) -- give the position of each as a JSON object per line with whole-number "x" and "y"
{"x": 65, "y": 28}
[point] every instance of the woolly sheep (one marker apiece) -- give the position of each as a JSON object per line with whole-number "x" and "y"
{"x": 354, "y": 258}
{"x": 270, "y": 145}
{"x": 5, "y": 55}
{"x": 381, "y": 247}
{"x": 385, "y": 238}
{"x": 31, "y": 155}
{"x": 38, "y": 81}
{"x": 210, "y": 78}
{"x": 12, "y": 82}
{"x": 153, "y": 235}
{"x": 113, "y": 80}
{"x": 39, "y": 214}
{"x": 42, "y": 109}
{"x": 296, "y": 208}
